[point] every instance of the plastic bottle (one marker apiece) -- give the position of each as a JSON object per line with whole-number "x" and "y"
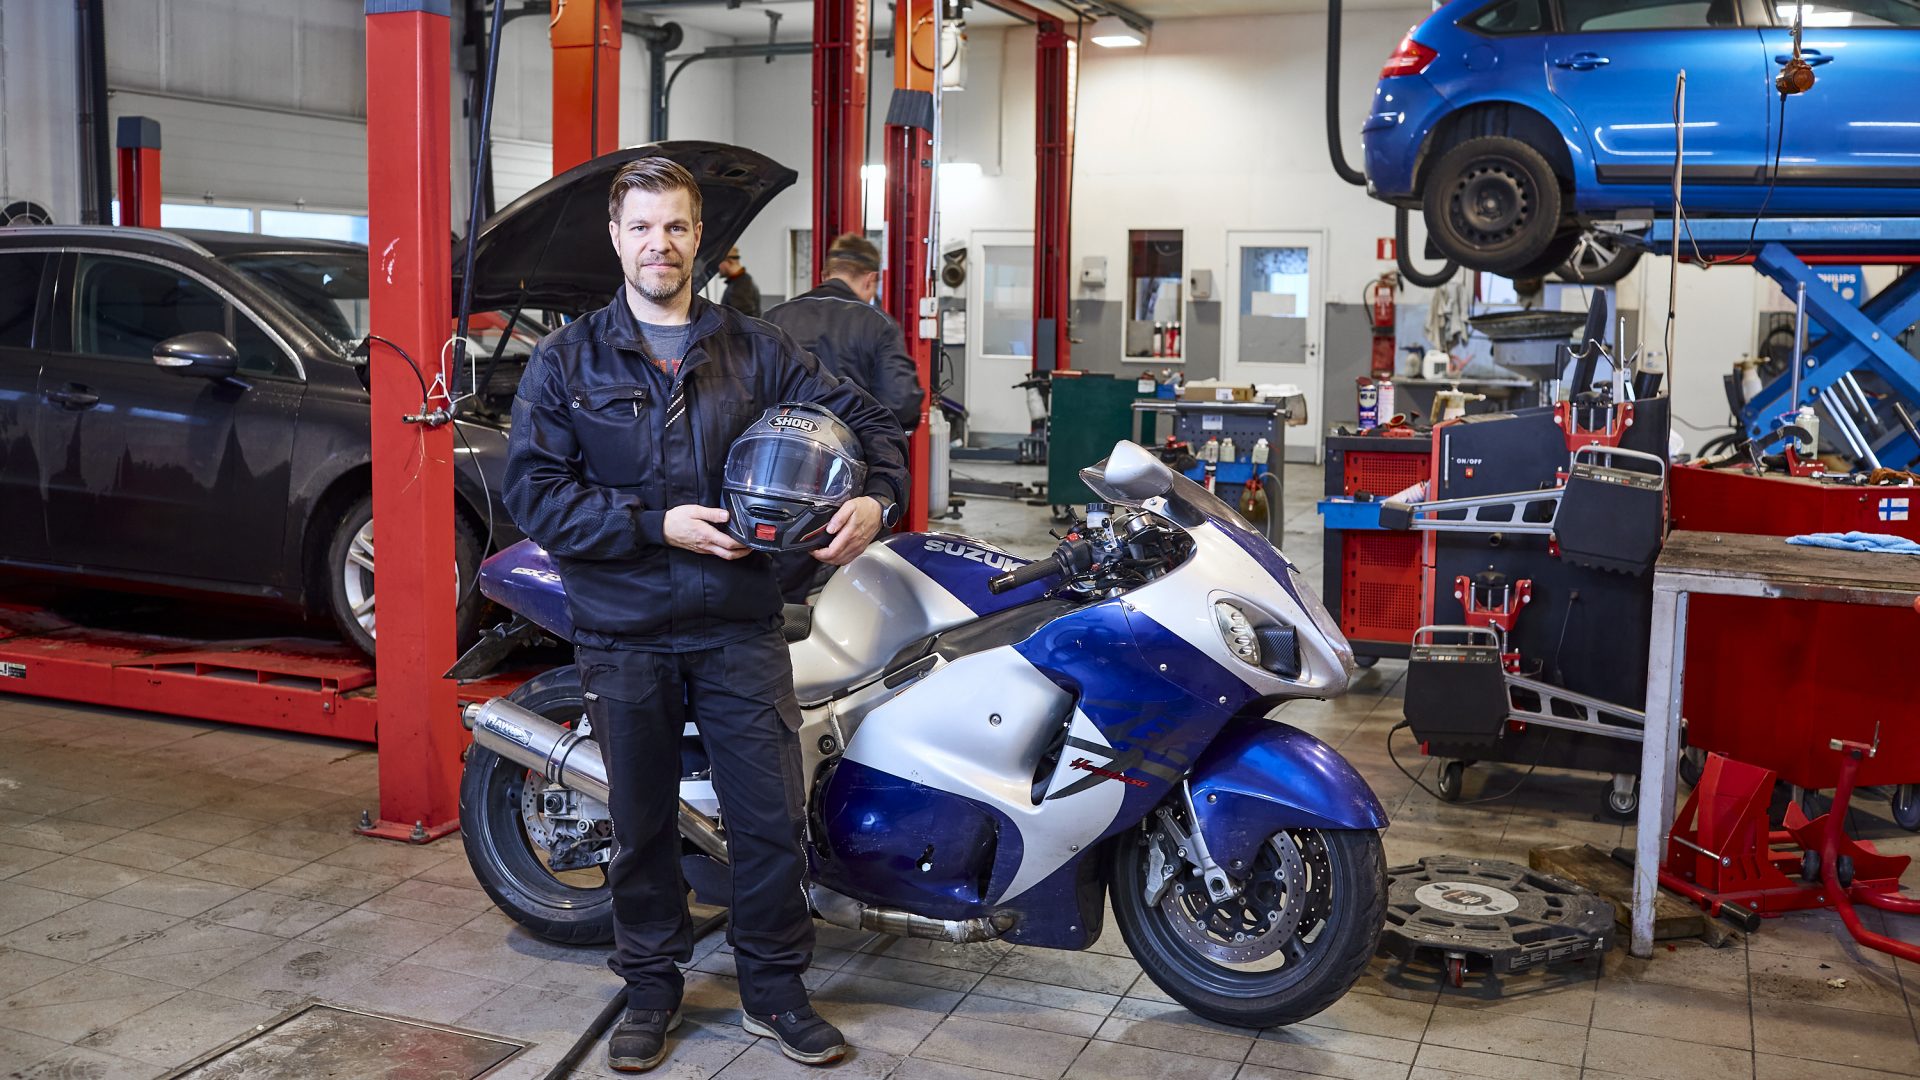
{"x": 1261, "y": 452}
{"x": 1810, "y": 420}
{"x": 1228, "y": 452}
{"x": 1210, "y": 451}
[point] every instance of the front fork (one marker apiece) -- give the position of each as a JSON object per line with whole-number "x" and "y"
{"x": 1189, "y": 847}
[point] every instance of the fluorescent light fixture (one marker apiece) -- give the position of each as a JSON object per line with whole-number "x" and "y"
{"x": 1108, "y": 31}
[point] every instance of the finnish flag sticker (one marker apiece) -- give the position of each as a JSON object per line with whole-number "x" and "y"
{"x": 1893, "y": 509}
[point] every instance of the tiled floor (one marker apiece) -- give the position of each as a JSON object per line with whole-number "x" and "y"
{"x": 166, "y": 885}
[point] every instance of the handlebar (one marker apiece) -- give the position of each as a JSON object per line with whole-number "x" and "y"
{"x": 1037, "y": 570}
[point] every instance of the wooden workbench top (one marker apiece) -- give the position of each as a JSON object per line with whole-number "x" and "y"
{"x": 1770, "y": 566}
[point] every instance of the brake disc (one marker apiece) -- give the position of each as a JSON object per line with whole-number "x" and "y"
{"x": 1254, "y": 923}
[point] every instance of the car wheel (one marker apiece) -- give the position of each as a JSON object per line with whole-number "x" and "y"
{"x": 1550, "y": 260}
{"x": 1493, "y": 203}
{"x": 1598, "y": 259}
{"x": 349, "y": 576}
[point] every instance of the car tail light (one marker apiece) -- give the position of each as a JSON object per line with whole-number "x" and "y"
{"x": 1409, "y": 58}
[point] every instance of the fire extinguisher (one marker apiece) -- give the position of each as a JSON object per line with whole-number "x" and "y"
{"x": 1380, "y": 299}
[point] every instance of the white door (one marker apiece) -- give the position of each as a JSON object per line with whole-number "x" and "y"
{"x": 1273, "y": 317}
{"x": 999, "y": 332}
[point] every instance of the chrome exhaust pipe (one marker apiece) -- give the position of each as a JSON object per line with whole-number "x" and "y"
{"x": 843, "y": 910}
{"x": 564, "y": 756}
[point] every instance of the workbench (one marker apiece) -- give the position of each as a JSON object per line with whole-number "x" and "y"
{"x": 1728, "y": 564}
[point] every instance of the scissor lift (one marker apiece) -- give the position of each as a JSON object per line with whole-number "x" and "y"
{"x": 1860, "y": 340}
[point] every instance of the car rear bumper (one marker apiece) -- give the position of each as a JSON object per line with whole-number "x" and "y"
{"x": 1405, "y": 108}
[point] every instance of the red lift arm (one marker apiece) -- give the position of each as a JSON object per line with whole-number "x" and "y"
{"x": 407, "y": 228}
{"x": 840, "y": 59}
{"x": 138, "y": 138}
{"x": 586, "y": 80}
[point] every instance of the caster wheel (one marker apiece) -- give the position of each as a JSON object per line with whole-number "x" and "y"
{"x": 1366, "y": 661}
{"x": 1623, "y": 804}
{"x": 1457, "y": 970}
{"x": 1810, "y": 865}
{"x": 1452, "y": 779}
{"x": 1843, "y": 870}
{"x": 1906, "y": 807}
{"x": 1693, "y": 762}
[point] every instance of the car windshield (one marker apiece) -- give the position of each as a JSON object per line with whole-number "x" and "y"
{"x": 327, "y": 290}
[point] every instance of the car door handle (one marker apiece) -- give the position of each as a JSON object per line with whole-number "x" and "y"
{"x": 74, "y": 397}
{"x": 1582, "y": 61}
{"x": 1813, "y": 57}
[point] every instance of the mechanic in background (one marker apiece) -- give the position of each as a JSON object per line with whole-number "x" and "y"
{"x": 851, "y": 338}
{"x": 741, "y": 294}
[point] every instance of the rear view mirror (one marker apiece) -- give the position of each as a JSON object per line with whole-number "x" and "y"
{"x": 202, "y": 353}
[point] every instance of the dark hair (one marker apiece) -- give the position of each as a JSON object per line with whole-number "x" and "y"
{"x": 655, "y": 174}
{"x": 852, "y": 253}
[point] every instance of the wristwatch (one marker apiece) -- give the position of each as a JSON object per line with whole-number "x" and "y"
{"x": 889, "y": 511}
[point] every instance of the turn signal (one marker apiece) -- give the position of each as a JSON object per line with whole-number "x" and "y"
{"x": 1410, "y": 58}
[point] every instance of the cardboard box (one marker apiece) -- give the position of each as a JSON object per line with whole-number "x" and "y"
{"x": 1210, "y": 391}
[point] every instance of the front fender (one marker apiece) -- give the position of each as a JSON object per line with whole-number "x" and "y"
{"x": 1260, "y": 777}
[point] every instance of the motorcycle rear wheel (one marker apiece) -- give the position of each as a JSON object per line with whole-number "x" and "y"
{"x": 1330, "y": 928}
{"x": 573, "y": 907}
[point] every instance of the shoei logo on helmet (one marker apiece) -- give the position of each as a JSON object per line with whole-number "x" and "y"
{"x": 798, "y": 423}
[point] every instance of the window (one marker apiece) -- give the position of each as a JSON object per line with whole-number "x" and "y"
{"x": 1155, "y": 267}
{"x": 349, "y": 227}
{"x": 19, "y": 293}
{"x": 1510, "y": 17}
{"x": 1586, "y": 16}
{"x": 1852, "y": 13}
{"x": 1006, "y": 290}
{"x": 126, "y": 307}
{"x": 196, "y": 216}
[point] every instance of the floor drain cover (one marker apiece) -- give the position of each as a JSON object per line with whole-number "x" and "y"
{"x": 1481, "y": 915}
{"x": 327, "y": 1042}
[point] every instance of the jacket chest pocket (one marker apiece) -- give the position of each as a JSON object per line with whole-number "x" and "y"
{"x": 614, "y": 426}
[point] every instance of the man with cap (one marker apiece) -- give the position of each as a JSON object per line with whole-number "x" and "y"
{"x": 855, "y": 340}
{"x": 741, "y": 294}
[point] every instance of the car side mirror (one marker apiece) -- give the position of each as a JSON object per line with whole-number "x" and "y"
{"x": 202, "y": 353}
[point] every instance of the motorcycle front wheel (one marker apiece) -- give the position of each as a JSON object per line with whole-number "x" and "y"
{"x": 1294, "y": 938}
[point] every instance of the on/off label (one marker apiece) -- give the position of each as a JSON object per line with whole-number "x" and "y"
{"x": 10, "y": 670}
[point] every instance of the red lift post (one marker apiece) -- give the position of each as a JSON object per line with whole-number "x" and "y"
{"x": 407, "y": 228}
{"x": 586, "y": 81}
{"x": 1057, "y": 68}
{"x": 909, "y": 214}
{"x": 840, "y": 59}
{"x": 138, "y": 140}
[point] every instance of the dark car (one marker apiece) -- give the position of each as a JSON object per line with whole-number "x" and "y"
{"x": 121, "y": 465}
{"x": 1512, "y": 123}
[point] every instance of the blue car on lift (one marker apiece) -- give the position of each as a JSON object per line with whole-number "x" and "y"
{"x": 1512, "y": 123}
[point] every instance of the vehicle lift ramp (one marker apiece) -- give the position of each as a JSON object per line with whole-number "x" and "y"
{"x": 1860, "y": 340}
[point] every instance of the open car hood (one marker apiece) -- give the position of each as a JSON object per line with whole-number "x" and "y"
{"x": 548, "y": 249}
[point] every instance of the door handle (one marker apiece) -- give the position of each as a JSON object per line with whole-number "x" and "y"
{"x": 1813, "y": 57}
{"x": 74, "y": 397}
{"x": 1582, "y": 61}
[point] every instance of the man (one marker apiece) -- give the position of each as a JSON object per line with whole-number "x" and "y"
{"x": 741, "y": 294}
{"x": 839, "y": 325}
{"x": 620, "y": 435}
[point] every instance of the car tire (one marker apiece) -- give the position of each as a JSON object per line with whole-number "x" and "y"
{"x": 1493, "y": 203}
{"x": 1552, "y": 260}
{"x": 1598, "y": 259}
{"x": 348, "y": 573}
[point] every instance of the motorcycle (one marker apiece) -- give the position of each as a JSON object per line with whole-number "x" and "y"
{"x": 994, "y": 746}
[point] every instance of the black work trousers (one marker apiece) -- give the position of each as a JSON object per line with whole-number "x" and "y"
{"x": 741, "y": 697}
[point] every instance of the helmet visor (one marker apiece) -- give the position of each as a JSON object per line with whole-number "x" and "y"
{"x": 772, "y": 464}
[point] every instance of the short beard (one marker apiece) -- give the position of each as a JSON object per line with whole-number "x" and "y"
{"x": 666, "y": 291}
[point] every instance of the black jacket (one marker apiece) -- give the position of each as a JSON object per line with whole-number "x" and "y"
{"x": 741, "y": 294}
{"x": 593, "y": 466}
{"x": 855, "y": 341}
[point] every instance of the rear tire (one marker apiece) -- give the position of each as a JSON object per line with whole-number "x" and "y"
{"x": 1344, "y": 927}
{"x": 570, "y": 911}
{"x": 1493, "y": 203}
{"x": 349, "y": 577}
{"x": 1598, "y": 259}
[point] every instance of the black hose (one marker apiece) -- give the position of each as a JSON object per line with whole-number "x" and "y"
{"x": 1407, "y": 272}
{"x": 479, "y": 176}
{"x": 1334, "y": 150}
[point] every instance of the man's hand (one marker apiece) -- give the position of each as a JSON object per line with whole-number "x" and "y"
{"x": 853, "y": 528}
{"x": 691, "y": 526}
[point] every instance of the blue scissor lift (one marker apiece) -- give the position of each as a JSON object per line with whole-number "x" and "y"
{"x": 1860, "y": 340}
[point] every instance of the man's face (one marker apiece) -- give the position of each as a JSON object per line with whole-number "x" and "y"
{"x": 657, "y": 239}
{"x": 730, "y": 266}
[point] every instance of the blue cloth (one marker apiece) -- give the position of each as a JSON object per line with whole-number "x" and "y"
{"x": 1858, "y": 541}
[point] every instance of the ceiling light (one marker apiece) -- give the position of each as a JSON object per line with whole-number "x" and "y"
{"x": 1110, "y": 32}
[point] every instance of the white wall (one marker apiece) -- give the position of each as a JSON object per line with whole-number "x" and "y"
{"x": 39, "y": 107}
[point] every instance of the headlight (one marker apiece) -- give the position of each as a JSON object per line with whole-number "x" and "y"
{"x": 1271, "y": 646}
{"x": 1237, "y": 630}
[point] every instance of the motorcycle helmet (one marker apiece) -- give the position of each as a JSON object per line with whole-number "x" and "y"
{"x": 787, "y": 474}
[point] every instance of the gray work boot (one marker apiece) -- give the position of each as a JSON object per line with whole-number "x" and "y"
{"x": 639, "y": 1041}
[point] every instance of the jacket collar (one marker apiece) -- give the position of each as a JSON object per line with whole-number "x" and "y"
{"x": 622, "y": 330}
{"x": 835, "y": 289}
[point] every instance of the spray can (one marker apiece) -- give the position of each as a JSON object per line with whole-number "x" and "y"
{"x": 1228, "y": 452}
{"x": 1810, "y": 420}
{"x": 1369, "y": 395}
{"x": 1261, "y": 452}
{"x": 1383, "y": 392}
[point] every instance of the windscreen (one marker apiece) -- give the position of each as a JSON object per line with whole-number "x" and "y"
{"x": 328, "y": 291}
{"x": 1183, "y": 494}
{"x": 774, "y": 464}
